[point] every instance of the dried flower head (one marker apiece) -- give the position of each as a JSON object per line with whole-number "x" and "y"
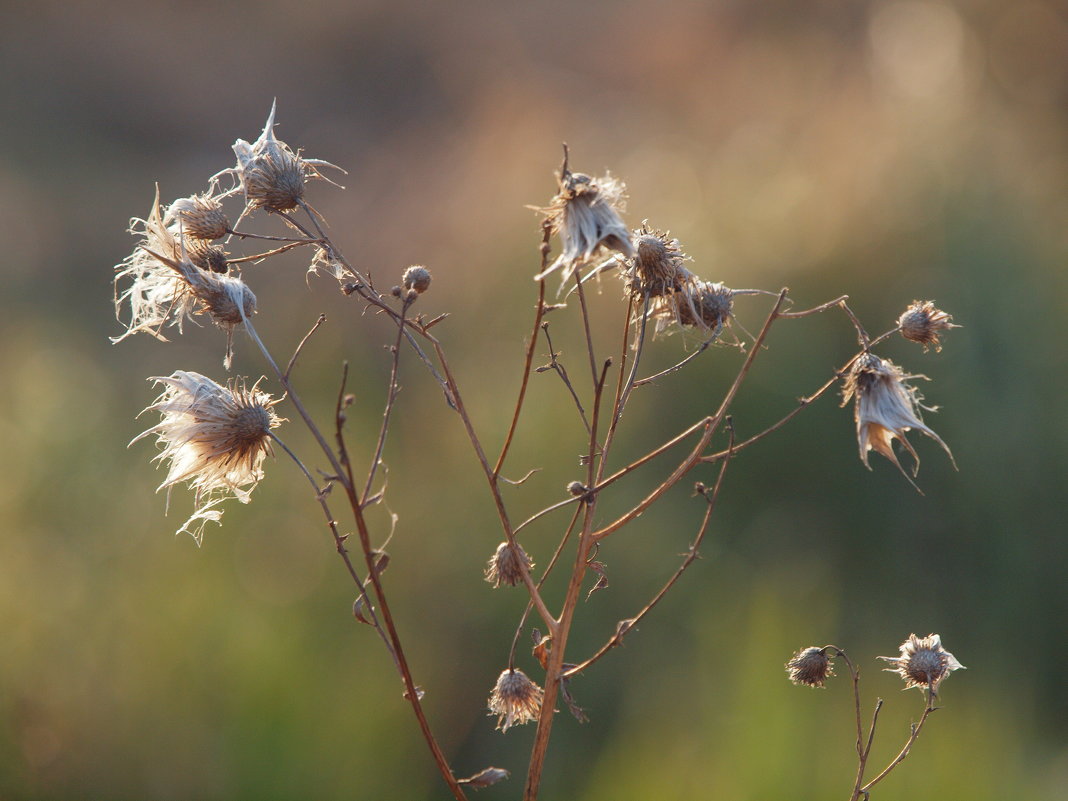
{"x": 923, "y": 662}
{"x": 886, "y": 407}
{"x": 810, "y": 666}
{"x": 585, "y": 213}
{"x": 269, "y": 173}
{"x": 208, "y": 257}
{"x": 214, "y": 438}
{"x": 166, "y": 285}
{"x": 198, "y": 216}
{"x": 921, "y": 323}
{"x": 515, "y": 699}
{"x": 657, "y": 265}
{"x": 416, "y": 277}
{"x": 702, "y": 305}
{"x": 506, "y": 565}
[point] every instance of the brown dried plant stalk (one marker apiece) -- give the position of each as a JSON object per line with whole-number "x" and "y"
{"x": 180, "y": 269}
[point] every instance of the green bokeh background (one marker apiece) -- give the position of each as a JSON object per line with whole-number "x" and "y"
{"x": 888, "y": 150}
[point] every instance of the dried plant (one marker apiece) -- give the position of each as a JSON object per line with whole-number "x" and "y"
{"x": 214, "y": 438}
{"x": 923, "y": 663}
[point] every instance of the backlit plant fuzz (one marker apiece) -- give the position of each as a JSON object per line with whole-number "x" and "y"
{"x": 199, "y": 216}
{"x": 213, "y": 438}
{"x": 657, "y": 267}
{"x": 810, "y": 667}
{"x": 923, "y": 662}
{"x": 921, "y": 323}
{"x": 886, "y": 407}
{"x": 515, "y": 699}
{"x": 166, "y": 285}
{"x": 585, "y": 214}
{"x": 505, "y": 566}
{"x": 270, "y": 174}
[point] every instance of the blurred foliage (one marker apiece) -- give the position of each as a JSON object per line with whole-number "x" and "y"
{"x": 888, "y": 150}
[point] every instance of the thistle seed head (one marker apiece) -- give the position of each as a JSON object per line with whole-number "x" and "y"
{"x": 923, "y": 662}
{"x": 921, "y": 323}
{"x": 657, "y": 266}
{"x": 810, "y": 666}
{"x": 886, "y": 407}
{"x": 585, "y": 214}
{"x": 506, "y": 566}
{"x": 269, "y": 173}
{"x": 515, "y": 699}
{"x": 416, "y": 277}
{"x": 198, "y": 217}
{"x": 213, "y": 438}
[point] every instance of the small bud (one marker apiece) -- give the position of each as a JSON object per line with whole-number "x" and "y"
{"x": 923, "y": 662}
{"x": 515, "y": 699}
{"x": 416, "y": 277}
{"x": 810, "y": 666}
{"x": 505, "y": 567}
{"x": 396, "y": 291}
{"x": 921, "y": 323}
{"x": 577, "y": 488}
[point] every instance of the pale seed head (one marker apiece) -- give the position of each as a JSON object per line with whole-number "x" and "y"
{"x": 416, "y": 277}
{"x": 515, "y": 699}
{"x": 921, "y": 323}
{"x": 657, "y": 265}
{"x": 585, "y": 213}
{"x": 213, "y": 438}
{"x": 923, "y": 662}
{"x": 198, "y": 217}
{"x": 810, "y": 666}
{"x": 885, "y": 409}
{"x": 506, "y": 566}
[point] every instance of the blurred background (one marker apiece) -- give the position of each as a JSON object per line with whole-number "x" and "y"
{"x": 887, "y": 150}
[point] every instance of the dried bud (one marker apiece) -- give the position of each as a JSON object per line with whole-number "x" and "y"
{"x": 585, "y": 213}
{"x": 921, "y": 323}
{"x": 923, "y": 662}
{"x": 515, "y": 699}
{"x": 506, "y": 567}
{"x": 810, "y": 666}
{"x": 198, "y": 216}
{"x": 886, "y": 407}
{"x": 657, "y": 266}
{"x": 577, "y": 488}
{"x": 416, "y": 277}
{"x": 214, "y": 438}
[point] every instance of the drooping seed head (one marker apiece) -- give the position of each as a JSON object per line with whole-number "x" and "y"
{"x": 506, "y": 566}
{"x": 515, "y": 699}
{"x": 810, "y": 666}
{"x": 921, "y": 323}
{"x": 416, "y": 277}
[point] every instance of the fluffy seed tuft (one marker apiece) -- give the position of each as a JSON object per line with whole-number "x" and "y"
{"x": 515, "y": 699}
{"x": 506, "y": 566}
{"x": 213, "y": 438}
{"x": 416, "y": 277}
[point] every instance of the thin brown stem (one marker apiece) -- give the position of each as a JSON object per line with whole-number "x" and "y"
{"x": 928, "y": 708}
{"x": 391, "y": 397}
{"x": 710, "y": 427}
{"x": 529, "y": 358}
{"x": 269, "y": 253}
{"x": 692, "y": 555}
{"x": 296, "y": 353}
